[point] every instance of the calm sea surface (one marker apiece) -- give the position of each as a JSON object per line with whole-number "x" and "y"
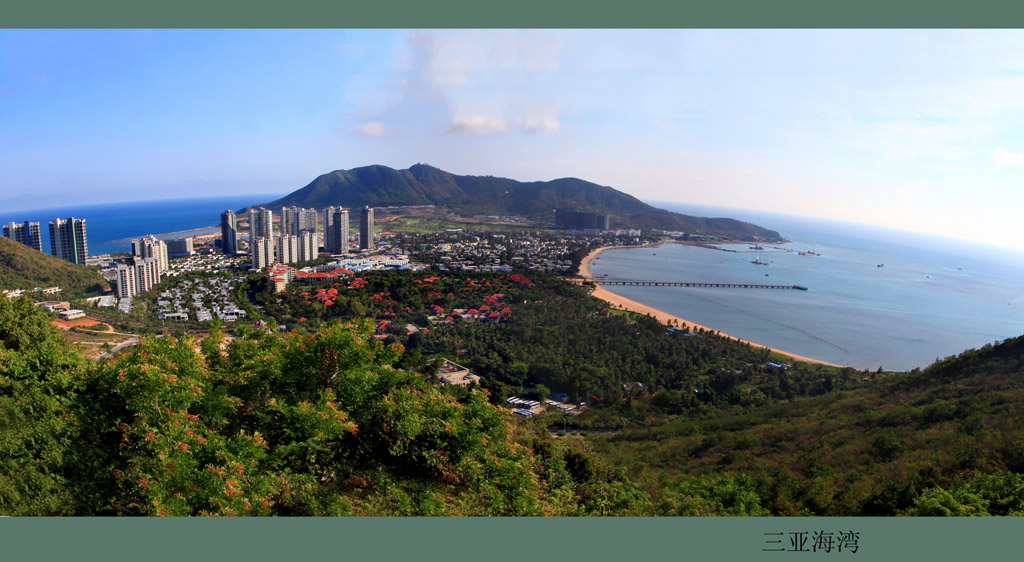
{"x": 932, "y": 298}
{"x": 108, "y": 225}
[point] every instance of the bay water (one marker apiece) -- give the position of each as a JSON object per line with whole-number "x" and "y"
{"x": 876, "y": 297}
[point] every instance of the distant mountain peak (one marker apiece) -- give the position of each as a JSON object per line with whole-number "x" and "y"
{"x": 422, "y": 184}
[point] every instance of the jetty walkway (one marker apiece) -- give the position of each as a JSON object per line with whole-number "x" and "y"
{"x": 603, "y": 281}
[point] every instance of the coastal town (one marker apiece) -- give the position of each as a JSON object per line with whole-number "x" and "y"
{"x": 176, "y": 281}
{"x": 180, "y": 282}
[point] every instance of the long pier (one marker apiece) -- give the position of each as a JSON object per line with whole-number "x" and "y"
{"x": 601, "y": 281}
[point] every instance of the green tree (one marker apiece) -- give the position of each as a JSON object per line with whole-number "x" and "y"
{"x": 40, "y": 373}
{"x": 716, "y": 496}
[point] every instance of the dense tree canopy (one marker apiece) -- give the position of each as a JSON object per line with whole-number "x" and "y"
{"x": 268, "y": 424}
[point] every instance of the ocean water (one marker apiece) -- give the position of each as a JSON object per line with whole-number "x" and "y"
{"x": 933, "y": 298}
{"x": 110, "y": 226}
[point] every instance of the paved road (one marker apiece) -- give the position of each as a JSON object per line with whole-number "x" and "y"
{"x": 119, "y": 347}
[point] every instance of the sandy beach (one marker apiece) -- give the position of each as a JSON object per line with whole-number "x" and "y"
{"x": 204, "y": 231}
{"x": 667, "y": 319}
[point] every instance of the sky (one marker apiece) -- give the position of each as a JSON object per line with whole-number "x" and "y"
{"x": 914, "y": 129}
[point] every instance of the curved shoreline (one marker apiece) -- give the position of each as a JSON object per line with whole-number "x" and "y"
{"x": 666, "y": 318}
{"x": 200, "y": 231}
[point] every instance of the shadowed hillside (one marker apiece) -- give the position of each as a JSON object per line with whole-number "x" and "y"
{"x": 947, "y": 440}
{"x": 22, "y": 267}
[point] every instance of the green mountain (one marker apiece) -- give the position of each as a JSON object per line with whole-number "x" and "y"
{"x": 22, "y": 267}
{"x": 379, "y": 186}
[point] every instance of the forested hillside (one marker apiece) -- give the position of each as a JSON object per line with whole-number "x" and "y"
{"x": 947, "y": 440}
{"x": 22, "y": 267}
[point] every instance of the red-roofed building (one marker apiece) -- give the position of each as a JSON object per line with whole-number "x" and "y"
{"x": 279, "y": 276}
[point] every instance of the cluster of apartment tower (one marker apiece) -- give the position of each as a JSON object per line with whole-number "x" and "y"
{"x": 67, "y": 238}
{"x": 149, "y": 262}
{"x": 299, "y": 239}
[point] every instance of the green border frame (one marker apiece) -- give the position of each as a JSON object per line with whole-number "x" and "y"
{"x": 642, "y": 14}
{"x": 618, "y": 539}
{"x": 499, "y": 539}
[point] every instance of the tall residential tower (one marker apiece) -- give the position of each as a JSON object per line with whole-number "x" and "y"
{"x": 151, "y": 247}
{"x": 366, "y": 229}
{"x": 338, "y": 232}
{"x": 228, "y": 232}
{"x": 261, "y": 224}
{"x": 296, "y": 220}
{"x": 67, "y": 240}
{"x": 27, "y": 233}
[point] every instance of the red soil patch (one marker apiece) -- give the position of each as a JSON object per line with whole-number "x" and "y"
{"x": 80, "y": 323}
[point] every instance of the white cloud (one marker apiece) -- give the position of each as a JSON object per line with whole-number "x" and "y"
{"x": 459, "y": 58}
{"x": 372, "y": 129}
{"x": 1004, "y": 156}
{"x": 477, "y": 125}
{"x": 544, "y": 125}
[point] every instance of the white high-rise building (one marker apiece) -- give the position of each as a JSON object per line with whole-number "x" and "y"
{"x": 68, "y": 240}
{"x": 287, "y": 247}
{"x": 261, "y": 223}
{"x": 289, "y": 220}
{"x": 27, "y": 233}
{"x": 125, "y": 284}
{"x": 308, "y": 246}
{"x": 181, "y": 247}
{"x": 147, "y": 273}
{"x": 138, "y": 277}
{"x": 262, "y": 251}
{"x": 295, "y": 220}
{"x": 307, "y": 220}
{"x": 151, "y": 247}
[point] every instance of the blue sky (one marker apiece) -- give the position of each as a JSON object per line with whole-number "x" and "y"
{"x": 919, "y": 129}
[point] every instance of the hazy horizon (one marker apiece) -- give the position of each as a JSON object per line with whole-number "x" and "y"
{"x": 756, "y": 216}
